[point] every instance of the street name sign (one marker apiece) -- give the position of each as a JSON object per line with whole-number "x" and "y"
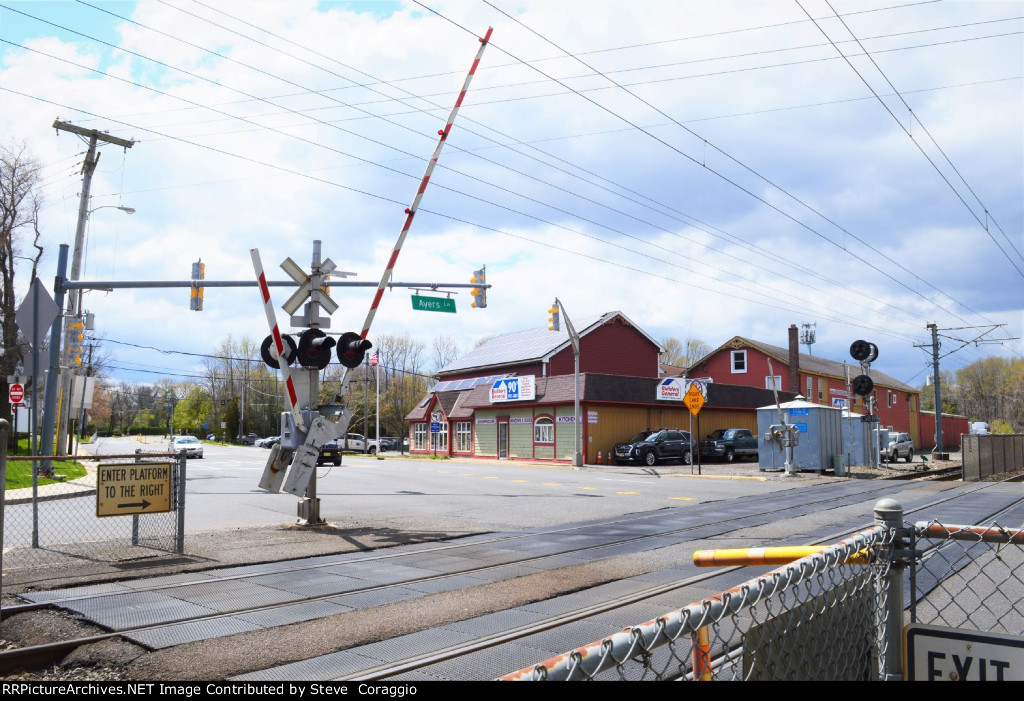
{"x": 433, "y": 304}
{"x": 133, "y": 488}
{"x": 934, "y": 653}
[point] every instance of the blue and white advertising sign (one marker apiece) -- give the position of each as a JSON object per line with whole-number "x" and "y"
{"x": 513, "y": 389}
{"x": 670, "y": 389}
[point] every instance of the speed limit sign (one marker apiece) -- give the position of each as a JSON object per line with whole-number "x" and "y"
{"x": 16, "y": 393}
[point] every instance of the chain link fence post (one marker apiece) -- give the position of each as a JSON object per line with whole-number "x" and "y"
{"x": 4, "y": 431}
{"x": 179, "y": 547}
{"x": 889, "y": 514}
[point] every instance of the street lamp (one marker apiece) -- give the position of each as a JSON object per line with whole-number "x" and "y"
{"x": 126, "y": 210}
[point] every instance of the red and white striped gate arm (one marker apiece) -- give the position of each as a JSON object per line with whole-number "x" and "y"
{"x": 410, "y": 212}
{"x": 289, "y": 391}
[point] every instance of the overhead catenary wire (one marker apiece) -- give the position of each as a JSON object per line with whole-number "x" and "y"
{"x": 988, "y": 215}
{"x": 713, "y": 171}
{"x": 744, "y": 244}
{"x": 758, "y": 300}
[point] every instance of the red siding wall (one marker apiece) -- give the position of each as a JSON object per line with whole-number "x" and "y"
{"x": 719, "y": 367}
{"x": 613, "y": 349}
{"x": 952, "y": 428}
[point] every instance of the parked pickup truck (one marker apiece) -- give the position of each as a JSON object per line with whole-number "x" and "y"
{"x": 729, "y": 444}
{"x": 358, "y": 443}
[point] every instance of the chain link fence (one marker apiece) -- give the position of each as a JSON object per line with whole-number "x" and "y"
{"x": 63, "y": 516}
{"x": 969, "y": 577}
{"x": 817, "y": 618}
{"x": 837, "y": 615}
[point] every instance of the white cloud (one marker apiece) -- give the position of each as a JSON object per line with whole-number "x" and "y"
{"x": 849, "y": 160}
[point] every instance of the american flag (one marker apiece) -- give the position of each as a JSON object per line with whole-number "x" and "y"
{"x": 374, "y": 359}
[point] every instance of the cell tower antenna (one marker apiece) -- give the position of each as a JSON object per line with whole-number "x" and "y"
{"x": 808, "y": 332}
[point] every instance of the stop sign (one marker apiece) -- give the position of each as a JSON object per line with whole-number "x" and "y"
{"x": 17, "y": 393}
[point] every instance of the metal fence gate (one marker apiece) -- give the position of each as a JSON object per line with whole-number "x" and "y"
{"x": 835, "y": 615}
{"x": 60, "y": 518}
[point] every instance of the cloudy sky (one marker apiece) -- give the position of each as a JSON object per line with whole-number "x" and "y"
{"x": 710, "y": 169}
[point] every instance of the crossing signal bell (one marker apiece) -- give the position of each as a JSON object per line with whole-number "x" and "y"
{"x": 352, "y": 349}
{"x": 198, "y": 273}
{"x": 554, "y": 318}
{"x": 479, "y": 293}
{"x": 268, "y": 351}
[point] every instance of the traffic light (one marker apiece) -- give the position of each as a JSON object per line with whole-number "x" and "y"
{"x": 314, "y": 349}
{"x": 479, "y": 293}
{"x": 269, "y": 353}
{"x": 75, "y": 339}
{"x": 554, "y": 318}
{"x": 864, "y": 351}
{"x": 352, "y": 348}
{"x": 198, "y": 273}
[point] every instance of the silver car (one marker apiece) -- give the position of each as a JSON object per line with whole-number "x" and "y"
{"x": 900, "y": 445}
{"x": 190, "y": 444}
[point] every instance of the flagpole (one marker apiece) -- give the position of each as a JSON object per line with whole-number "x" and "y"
{"x": 379, "y": 444}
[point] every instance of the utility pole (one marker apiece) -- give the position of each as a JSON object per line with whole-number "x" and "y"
{"x": 934, "y": 345}
{"x": 74, "y": 306}
{"x": 938, "y": 389}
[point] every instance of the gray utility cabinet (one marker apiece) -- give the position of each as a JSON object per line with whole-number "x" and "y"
{"x": 821, "y": 435}
{"x": 857, "y": 439}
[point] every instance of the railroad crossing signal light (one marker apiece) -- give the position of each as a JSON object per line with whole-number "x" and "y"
{"x": 554, "y": 318}
{"x": 352, "y": 349}
{"x": 314, "y": 349}
{"x": 198, "y": 273}
{"x": 479, "y": 293}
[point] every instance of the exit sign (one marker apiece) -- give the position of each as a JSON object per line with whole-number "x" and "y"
{"x": 433, "y": 304}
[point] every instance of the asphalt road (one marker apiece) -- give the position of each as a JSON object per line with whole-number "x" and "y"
{"x": 413, "y": 494}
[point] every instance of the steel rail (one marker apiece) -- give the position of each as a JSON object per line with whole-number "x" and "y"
{"x": 11, "y": 610}
{"x": 45, "y": 653}
{"x": 49, "y": 652}
{"x": 385, "y": 671}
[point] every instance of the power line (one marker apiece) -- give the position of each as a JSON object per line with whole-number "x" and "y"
{"x": 713, "y": 171}
{"x": 492, "y": 203}
{"x": 984, "y": 225}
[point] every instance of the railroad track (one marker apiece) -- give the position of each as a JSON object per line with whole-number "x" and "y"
{"x": 385, "y": 672}
{"x": 44, "y": 654}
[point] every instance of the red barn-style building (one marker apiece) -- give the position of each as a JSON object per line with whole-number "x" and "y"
{"x": 741, "y": 361}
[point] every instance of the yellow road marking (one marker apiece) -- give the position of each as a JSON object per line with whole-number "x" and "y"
{"x": 588, "y": 488}
{"x": 444, "y": 472}
{"x": 628, "y": 492}
{"x": 520, "y": 480}
{"x": 490, "y": 478}
{"x": 552, "y": 484}
{"x": 467, "y": 474}
{"x": 683, "y": 498}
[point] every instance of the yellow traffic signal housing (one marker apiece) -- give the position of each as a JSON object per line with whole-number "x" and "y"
{"x": 554, "y": 318}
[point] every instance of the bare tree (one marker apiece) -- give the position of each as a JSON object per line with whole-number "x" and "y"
{"x": 683, "y": 353}
{"x": 445, "y": 350}
{"x": 20, "y": 201}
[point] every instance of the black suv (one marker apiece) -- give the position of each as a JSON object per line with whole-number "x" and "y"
{"x": 653, "y": 445}
{"x": 330, "y": 451}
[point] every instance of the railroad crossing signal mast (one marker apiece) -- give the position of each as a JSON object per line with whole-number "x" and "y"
{"x": 308, "y": 425}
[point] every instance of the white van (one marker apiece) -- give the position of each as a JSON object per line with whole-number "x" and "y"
{"x": 979, "y": 428}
